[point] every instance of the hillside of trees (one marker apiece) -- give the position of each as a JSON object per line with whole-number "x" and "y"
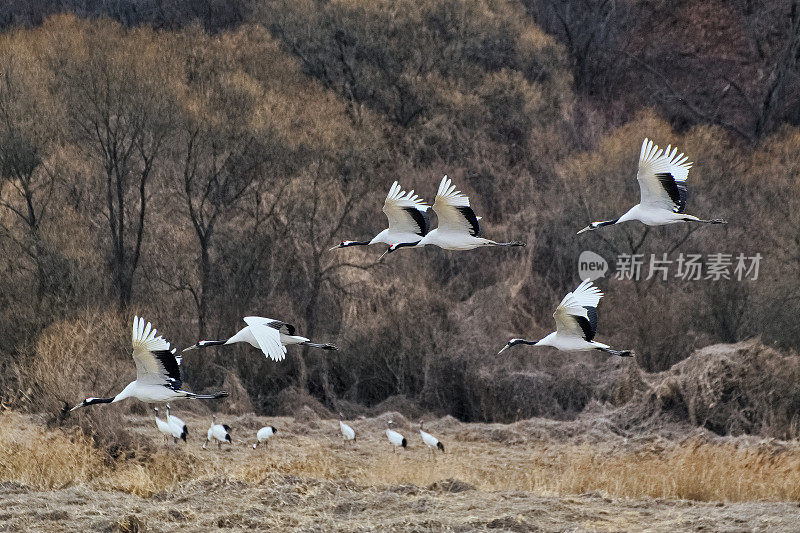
{"x": 193, "y": 162}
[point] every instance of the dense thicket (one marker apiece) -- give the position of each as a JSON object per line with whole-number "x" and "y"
{"x": 196, "y": 173}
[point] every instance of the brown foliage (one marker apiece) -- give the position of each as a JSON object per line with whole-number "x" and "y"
{"x": 203, "y": 177}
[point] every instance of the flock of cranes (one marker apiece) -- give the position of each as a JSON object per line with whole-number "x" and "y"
{"x": 662, "y": 183}
{"x": 221, "y": 433}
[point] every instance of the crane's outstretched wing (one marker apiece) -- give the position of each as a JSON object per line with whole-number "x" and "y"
{"x": 267, "y": 337}
{"x": 407, "y": 212}
{"x": 277, "y": 324}
{"x": 662, "y": 177}
{"x": 453, "y": 210}
{"x": 156, "y": 363}
{"x": 577, "y": 313}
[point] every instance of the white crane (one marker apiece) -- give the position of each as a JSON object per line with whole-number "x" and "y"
{"x": 395, "y": 438}
{"x": 158, "y": 371}
{"x": 268, "y": 335}
{"x": 662, "y": 188}
{"x": 458, "y": 227}
{"x": 218, "y": 432}
{"x": 165, "y": 428}
{"x": 348, "y": 433}
{"x": 408, "y": 220}
{"x": 263, "y": 435}
{"x": 576, "y": 324}
{"x": 430, "y": 441}
{"x": 177, "y": 424}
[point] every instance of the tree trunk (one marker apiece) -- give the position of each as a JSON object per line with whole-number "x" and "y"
{"x": 205, "y": 270}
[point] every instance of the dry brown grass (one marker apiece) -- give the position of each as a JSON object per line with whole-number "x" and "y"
{"x": 46, "y": 459}
{"x": 693, "y": 469}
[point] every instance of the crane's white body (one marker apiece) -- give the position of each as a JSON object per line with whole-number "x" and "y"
{"x": 218, "y": 432}
{"x": 576, "y": 323}
{"x": 454, "y": 240}
{"x": 458, "y": 227}
{"x": 662, "y": 178}
{"x": 164, "y": 427}
{"x": 263, "y": 435}
{"x": 150, "y": 393}
{"x": 395, "y": 438}
{"x": 158, "y": 373}
{"x": 654, "y": 217}
{"x": 348, "y": 433}
{"x": 430, "y": 441}
{"x": 169, "y": 427}
{"x": 176, "y": 424}
{"x": 568, "y": 342}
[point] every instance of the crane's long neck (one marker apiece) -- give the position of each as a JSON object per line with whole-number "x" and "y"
{"x": 92, "y": 401}
{"x": 595, "y": 225}
{"x": 399, "y": 245}
{"x": 203, "y": 344}
{"x": 513, "y": 342}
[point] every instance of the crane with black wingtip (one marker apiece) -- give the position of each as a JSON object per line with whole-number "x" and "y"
{"x": 158, "y": 371}
{"x": 662, "y": 190}
{"x": 576, "y": 324}
{"x": 268, "y": 335}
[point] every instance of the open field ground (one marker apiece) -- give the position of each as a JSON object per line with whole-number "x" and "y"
{"x": 493, "y": 477}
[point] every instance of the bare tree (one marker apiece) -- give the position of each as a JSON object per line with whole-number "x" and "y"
{"x": 218, "y": 168}
{"x": 120, "y": 112}
{"x": 26, "y": 182}
{"x": 323, "y": 206}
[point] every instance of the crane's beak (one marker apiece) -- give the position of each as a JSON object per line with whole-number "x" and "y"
{"x": 76, "y": 407}
{"x": 587, "y": 228}
{"x": 382, "y": 256}
{"x": 335, "y": 247}
{"x": 503, "y": 350}
{"x": 192, "y": 347}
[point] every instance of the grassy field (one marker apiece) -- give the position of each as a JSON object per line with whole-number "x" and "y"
{"x": 492, "y": 477}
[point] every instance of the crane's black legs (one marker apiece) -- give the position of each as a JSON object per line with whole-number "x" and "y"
{"x": 325, "y": 346}
{"x": 620, "y": 353}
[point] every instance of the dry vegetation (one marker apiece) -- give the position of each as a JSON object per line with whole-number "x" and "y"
{"x": 308, "y": 478}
